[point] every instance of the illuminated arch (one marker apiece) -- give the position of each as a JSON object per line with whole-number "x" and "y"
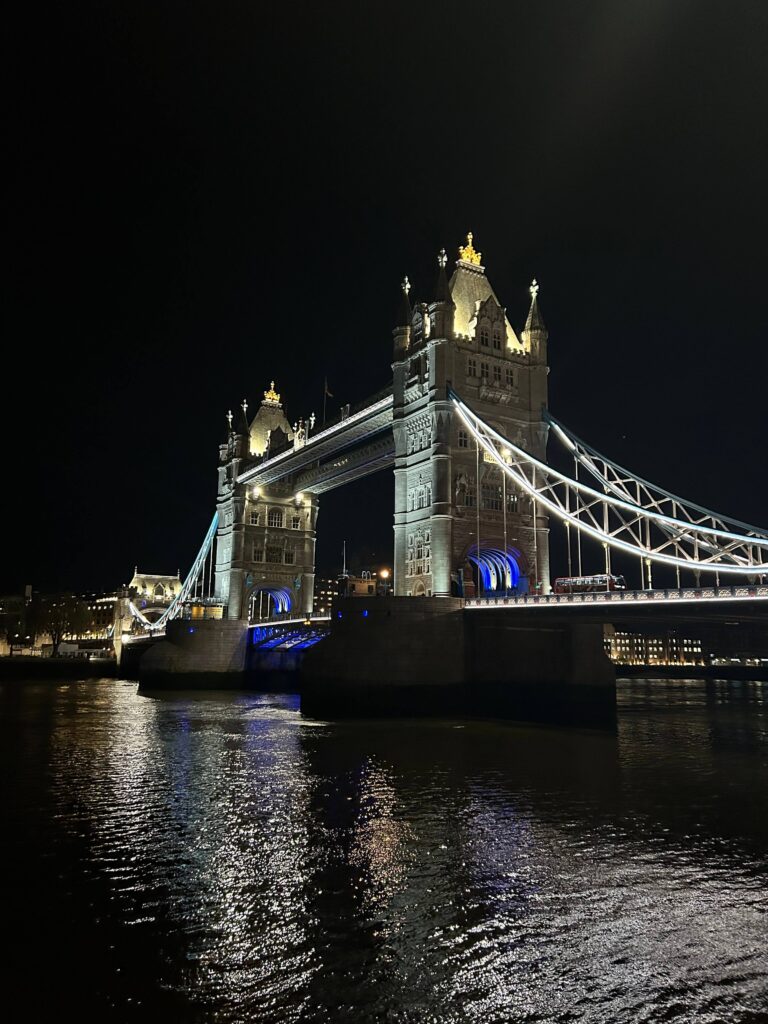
{"x": 279, "y": 601}
{"x": 499, "y": 570}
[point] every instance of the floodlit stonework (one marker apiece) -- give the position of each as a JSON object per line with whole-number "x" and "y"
{"x": 462, "y": 340}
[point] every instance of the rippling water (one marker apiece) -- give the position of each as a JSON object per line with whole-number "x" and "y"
{"x": 217, "y": 858}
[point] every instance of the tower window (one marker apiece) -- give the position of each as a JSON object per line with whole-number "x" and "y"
{"x": 274, "y": 553}
{"x": 275, "y": 517}
{"x": 485, "y": 336}
{"x": 497, "y": 375}
{"x": 510, "y": 377}
{"x": 484, "y": 372}
{"x": 497, "y": 339}
{"x": 463, "y": 439}
{"x": 255, "y": 518}
{"x": 290, "y": 556}
{"x": 472, "y": 367}
{"x": 296, "y": 523}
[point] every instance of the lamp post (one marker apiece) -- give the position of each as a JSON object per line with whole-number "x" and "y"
{"x": 384, "y": 575}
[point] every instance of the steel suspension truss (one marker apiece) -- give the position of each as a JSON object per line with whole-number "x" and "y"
{"x": 628, "y": 513}
{"x": 199, "y": 579}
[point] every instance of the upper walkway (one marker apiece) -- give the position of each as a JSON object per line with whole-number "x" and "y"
{"x": 327, "y": 459}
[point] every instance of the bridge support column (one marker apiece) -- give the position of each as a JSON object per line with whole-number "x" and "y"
{"x": 395, "y": 656}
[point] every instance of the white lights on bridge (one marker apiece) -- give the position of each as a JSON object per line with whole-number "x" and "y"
{"x": 616, "y": 519}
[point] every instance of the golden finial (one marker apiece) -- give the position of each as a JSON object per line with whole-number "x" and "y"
{"x": 534, "y": 289}
{"x": 468, "y": 253}
{"x": 271, "y": 397}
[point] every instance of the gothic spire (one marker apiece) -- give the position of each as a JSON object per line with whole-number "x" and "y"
{"x": 404, "y": 315}
{"x": 442, "y": 291}
{"x": 535, "y": 321}
{"x": 243, "y": 426}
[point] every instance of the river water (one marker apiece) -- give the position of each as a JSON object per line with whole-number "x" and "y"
{"x": 214, "y": 857}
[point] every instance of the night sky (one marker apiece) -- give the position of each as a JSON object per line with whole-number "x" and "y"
{"x": 206, "y": 197}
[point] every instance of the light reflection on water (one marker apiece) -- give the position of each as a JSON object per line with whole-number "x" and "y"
{"x": 217, "y": 858}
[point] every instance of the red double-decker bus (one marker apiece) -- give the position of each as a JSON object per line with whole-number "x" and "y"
{"x": 588, "y": 584}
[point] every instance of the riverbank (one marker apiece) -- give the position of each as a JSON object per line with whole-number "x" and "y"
{"x": 32, "y": 669}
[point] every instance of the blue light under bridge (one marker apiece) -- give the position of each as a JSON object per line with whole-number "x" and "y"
{"x": 499, "y": 570}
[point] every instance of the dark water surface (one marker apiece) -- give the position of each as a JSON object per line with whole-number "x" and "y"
{"x": 216, "y": 858}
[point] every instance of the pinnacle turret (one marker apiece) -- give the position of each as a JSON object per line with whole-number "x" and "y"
{"x": 405, "y": 313}
{"x": 535, "y": 321}
{"x": 442, "y": 288}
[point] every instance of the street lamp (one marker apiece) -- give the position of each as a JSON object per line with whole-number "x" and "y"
{"x": 384, "y": 574}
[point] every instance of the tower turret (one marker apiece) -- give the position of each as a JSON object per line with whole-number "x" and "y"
{"x": 402, "y": 332}
{"x": 535, "y": 333}
{"x": 441, "y": 310}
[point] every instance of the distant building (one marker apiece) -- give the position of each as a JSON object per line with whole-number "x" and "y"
{"x": 667, "y": 648}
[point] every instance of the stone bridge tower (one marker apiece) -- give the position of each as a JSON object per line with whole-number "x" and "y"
{"x": 265, "y": 546}
{"x": 455, "y": 517}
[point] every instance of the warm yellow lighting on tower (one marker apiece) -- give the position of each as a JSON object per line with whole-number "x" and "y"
{"x": 468, "y": 253}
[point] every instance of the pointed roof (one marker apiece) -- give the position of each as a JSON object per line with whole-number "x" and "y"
{"x": 242, "y": 427}
{"x": 442, "y": 288}
{"x": 404, "y": 312}
{"x": 535, "y": 321}
{"x": 469, "y": 288}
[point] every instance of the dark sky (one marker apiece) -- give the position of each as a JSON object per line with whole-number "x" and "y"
{"x": 206, "y": 196}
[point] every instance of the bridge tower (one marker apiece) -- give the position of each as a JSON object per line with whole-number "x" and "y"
{"x": 449, "y": 501}
{"x": 265, "y": 550}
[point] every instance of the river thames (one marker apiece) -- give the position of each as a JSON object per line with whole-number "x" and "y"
{"x": 215, "y": 857}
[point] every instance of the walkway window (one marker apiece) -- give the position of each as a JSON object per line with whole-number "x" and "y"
{"x": 275, "y": 517}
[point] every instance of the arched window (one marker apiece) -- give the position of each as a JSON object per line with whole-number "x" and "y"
{"x": 497, "y": 339}
{"x": 275, "y": 517}
{"x": 485, "y": 336}
{"x": 160, "y": 591}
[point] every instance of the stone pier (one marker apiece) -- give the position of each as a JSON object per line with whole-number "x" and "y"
{"x": 427, "y": 656}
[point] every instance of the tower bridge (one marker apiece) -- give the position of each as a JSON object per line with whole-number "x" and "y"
{"x": 464, "y": 426}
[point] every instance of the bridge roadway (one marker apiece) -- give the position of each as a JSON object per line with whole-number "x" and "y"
{"x": 721, "y": 609}
{"x": 350, "y": 449}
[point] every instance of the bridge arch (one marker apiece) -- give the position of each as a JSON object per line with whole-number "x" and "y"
{"x": 267, "y": 602}
{"x": 493, "y": 570}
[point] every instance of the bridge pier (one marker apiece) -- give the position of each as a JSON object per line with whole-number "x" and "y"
{"x": 199, "y": 653}
{"x": 400, "y": 657}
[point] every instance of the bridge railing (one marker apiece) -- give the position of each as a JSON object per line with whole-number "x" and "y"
{"x": 738, "y": 592}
